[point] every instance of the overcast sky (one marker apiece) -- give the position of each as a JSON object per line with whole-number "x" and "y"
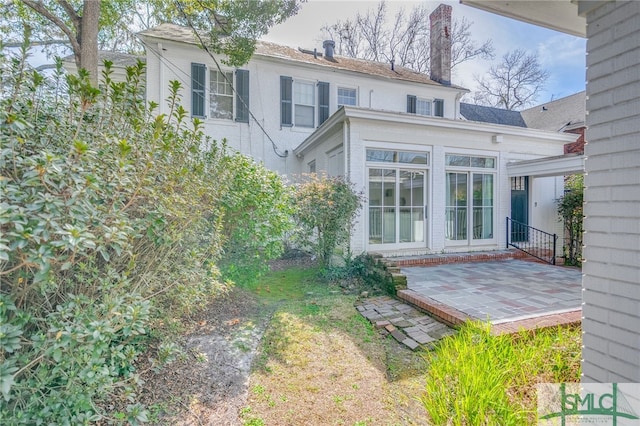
{"x": 563, "y": 55}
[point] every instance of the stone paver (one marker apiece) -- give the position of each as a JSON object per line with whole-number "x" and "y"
{"x": 500, "y": 291}
{"x": 406, "y": 324}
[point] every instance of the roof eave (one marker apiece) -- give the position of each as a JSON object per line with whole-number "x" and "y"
{"x": 325, "y": 128}
{"x": 349, "y": 112}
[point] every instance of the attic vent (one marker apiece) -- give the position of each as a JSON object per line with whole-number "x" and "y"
{"x": 328, "y": 46}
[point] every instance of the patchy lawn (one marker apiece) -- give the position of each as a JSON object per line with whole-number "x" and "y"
{"x": 292, "y": 350}
{"x": 322, "y": 363}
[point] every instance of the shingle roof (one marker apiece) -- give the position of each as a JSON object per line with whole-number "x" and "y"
{"x": 492, "y": 115}
{"x": 118, "y": 59}
{"x": 562, "y": 114}
{"x": 273, "y": 50}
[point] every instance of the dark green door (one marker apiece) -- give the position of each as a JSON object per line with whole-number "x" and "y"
{"x": 519, "y": 208}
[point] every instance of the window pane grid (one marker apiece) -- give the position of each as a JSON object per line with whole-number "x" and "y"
{"x": 221, "y": 95}
{"x": 304, "y": 104}
{"x": 404, "y": 157}
{"x": 346, "y": 96}
{"x": 470, "y": 161}
{"x": 304, "y": 93}
{"x": 423, "y": 107}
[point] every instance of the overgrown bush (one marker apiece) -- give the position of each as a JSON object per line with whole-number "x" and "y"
{"x": 258, "y": 208}
{"x": 325, "y": 211}
{"x": 358, "y": 274}
{"x": 571, "y": 214}
{"x": 112, "y": 218}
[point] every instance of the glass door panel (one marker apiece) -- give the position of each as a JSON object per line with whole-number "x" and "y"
{"x": 375, "y": 206}
{"x": 456, "y": 206}
{"x": 397, "y": 206}
{"x": 412, "y": 185}
{"x": 382, "y": 206}
{"x": 482, "y": 206}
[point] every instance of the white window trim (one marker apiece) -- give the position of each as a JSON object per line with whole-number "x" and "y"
{"x": 209, "y": 93}
{"x": 430, "y": 101}
{"x": 314, "y": 105}
{"x": 428, "y": 200}
{"x": 470, "y": 242}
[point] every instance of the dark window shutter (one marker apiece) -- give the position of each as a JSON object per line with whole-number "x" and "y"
{"x": 198, "y": 85}
{"x": 242, "y": 96}
{"x": 323, "y": 102}
{"x": 438, "y": 107}
{"x": 286, "y": 107}
{"x": 411, "y": 104}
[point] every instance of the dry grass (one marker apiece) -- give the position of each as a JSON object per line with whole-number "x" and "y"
{"x": 322, "y": 364}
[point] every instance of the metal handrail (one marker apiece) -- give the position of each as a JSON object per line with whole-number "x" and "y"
{"x": 533, "y": 241}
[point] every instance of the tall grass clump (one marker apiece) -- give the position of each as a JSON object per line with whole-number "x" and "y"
{"x": 114, "y": 219}
{"x": 475, "y": 378}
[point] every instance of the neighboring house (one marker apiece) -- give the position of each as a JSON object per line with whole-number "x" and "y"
{"x": 611, "y": 280}
{"x": 434, "y": 181}
{"x": 487, "y": 114}
{"x": 562, "y": 115}
{"x": 120, "y": 62}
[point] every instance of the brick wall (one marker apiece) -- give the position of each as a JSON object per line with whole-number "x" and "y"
{"x": 611, "y": 282}
{"x": 576, "y": 147}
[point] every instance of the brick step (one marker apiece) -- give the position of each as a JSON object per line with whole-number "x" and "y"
{"x": 448, "y": 258}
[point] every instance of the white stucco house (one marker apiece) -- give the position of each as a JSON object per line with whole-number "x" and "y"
{"x": 434, "y": 181}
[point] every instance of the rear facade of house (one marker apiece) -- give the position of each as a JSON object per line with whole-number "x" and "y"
{"x": 433, "y": 180}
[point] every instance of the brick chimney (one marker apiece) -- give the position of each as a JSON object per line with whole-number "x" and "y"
{"x": 440, "y": 20}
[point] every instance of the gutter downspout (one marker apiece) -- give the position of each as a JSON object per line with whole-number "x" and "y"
{"x": 160, "y": 75}
{"x": 456, "y": 112}
{"x": 346, "y": 143}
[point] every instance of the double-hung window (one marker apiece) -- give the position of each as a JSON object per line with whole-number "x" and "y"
{"x": 347, "y": 96}
{"x": 223, "y": 99}
{"x": 422, "y": 106}
{"x": 304, "y": 101}
{"x": 221, "y": 95}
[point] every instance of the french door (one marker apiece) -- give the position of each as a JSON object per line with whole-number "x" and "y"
{"x": 469, "y": 207}
{"x": 397, "y": 207}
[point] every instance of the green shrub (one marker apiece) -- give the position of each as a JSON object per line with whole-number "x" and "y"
{"x": 258, "y": 208}
{"x": 570, "y": 210}
{"x": 325, "y": 210}
{"x": 112, "y": 219}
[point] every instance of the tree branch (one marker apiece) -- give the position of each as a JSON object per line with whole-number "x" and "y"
{"x": 72, "y": 14}
{"x": 35, "y": 43}
{"x": 39, "y": 7}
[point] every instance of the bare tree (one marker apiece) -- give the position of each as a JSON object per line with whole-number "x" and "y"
{"x": 464, "y": 47}
{"x": 514, "y": 83}
{"x": 404, "y": 39}
{"x": 375, "y": 35}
